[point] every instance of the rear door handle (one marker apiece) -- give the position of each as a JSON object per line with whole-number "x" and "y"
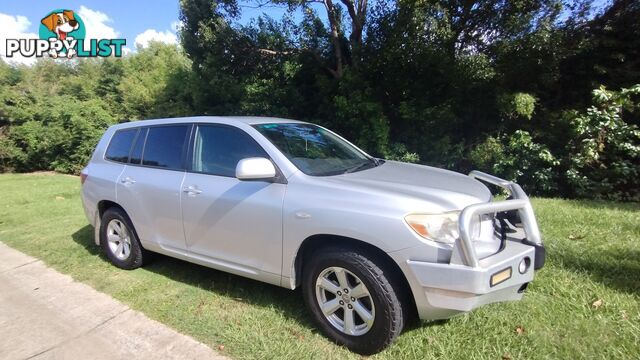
{"x": 192, "y": 190}
{"x": 128, "y": 181}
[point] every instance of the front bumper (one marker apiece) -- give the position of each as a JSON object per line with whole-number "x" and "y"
{"x": 458, "y": 288}
{"x": 443, "y": 289}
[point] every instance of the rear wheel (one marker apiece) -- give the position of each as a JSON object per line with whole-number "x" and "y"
{"x": 119, "y": 241}
{"x": 352, "y": 300}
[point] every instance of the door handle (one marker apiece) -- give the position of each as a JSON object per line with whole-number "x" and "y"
{"x": 192, "y": 190}
{"x": 128, "y": 181}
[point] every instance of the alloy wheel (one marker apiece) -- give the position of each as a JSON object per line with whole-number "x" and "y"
{"x": 345, "y": 301}
{"x": 119, "y": 239}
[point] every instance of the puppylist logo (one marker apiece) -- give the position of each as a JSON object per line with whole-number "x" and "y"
{"x": 62, "y": 35}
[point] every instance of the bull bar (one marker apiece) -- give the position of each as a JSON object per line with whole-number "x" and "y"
{"x": 520, "y": 202}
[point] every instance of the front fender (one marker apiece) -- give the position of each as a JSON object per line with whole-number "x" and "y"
{"x": 372, "y": 221}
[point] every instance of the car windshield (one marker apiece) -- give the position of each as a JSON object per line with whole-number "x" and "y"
{"x": 314, "y": 150}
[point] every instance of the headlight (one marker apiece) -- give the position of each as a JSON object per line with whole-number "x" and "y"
{"x": 437, "y": 227}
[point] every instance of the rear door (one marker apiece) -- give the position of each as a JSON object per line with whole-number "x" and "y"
{"x": 149, "y": 187}
{"x": 233, "y": 225}
{"x": 104, "y": 171}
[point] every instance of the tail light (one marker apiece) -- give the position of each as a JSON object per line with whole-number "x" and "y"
{"x": 83, "y": 177}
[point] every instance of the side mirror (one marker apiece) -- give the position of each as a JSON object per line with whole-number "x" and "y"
{"x": 256, "y": 168}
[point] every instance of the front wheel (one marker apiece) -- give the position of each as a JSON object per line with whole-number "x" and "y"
{"x": 352, "y": 300}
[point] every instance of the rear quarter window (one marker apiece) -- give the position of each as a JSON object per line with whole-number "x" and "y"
{"x": 120, "y": 145}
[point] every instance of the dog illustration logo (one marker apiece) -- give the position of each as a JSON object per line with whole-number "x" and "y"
{"x": 62, "y": 34}
{"x": 62, "y": 25}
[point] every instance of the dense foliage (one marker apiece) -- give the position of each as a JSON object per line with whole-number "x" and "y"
{"x": 503, "y": 86}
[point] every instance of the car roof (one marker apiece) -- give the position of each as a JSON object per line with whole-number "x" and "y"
{"x": 228, "y": 120}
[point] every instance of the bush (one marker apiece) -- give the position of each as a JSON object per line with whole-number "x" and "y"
{"x": 518, "y": 158}
{"x": 399, "y": 152}
{"x": 433, "y": 135}
{"x": 604, "y": 159}
{"x": 9, "y": 153}
{"x": 517, "y": 105}
{"x": 52, "y": 114}
{"x": 357, "y": 117}
{"x": 62, "y": 137}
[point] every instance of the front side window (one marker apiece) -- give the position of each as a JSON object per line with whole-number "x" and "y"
{"x": 218, "y": 149}
{"x": 164, "y": 146}
{"x": 120, "y": 145}
{"x": 315, "y": 150}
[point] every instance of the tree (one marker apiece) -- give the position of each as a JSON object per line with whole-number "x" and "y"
{"x": 500, "y": 85}
{"x": 356, "y": 11}
{"x": 607, "y": 52}
{"x": 155, "y": 83}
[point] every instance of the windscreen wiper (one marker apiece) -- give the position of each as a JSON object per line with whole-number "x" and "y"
{"x": 359, "y": 167}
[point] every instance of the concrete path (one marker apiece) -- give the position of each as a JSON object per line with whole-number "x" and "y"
{"x": 47, "y": 315}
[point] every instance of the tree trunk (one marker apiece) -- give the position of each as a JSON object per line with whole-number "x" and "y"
{"x": 335, "y": 38}
{"x": 358, "y": 14}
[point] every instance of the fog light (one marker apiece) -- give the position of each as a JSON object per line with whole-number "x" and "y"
{"x": 500, "y": 276}
{"x": 524, "y": 265}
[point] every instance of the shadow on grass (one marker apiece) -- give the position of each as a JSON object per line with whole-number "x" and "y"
{"x": 84, "y": 237}
{"x": 615, "y": 269}
{"x": 286, "y": 302}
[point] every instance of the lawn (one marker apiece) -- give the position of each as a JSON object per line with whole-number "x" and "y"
{"x": 585, "y": 303}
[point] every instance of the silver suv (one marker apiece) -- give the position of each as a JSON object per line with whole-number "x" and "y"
{"x": 372, "y": 243}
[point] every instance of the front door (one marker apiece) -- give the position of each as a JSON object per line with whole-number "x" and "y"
{"x": 231, "y": 224}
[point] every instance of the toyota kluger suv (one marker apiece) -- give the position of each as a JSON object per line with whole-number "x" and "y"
{"x": 372, "y": 243}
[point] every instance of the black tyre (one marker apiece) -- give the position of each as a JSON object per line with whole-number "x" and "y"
{"x": 353, "y": 300}
{"x": 119, "y": 240}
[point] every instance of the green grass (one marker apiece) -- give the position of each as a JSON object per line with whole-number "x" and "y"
{"x": 593, "y": 254}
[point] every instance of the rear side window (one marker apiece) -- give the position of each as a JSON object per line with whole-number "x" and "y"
{"x": 120, "y": 145}
{"x": 218, "y": 149}
{"x": 164, "y": 146}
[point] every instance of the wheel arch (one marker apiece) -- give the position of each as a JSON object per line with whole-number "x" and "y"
{"x": 103, "y": 206}
{"x": 318, "y": 242}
